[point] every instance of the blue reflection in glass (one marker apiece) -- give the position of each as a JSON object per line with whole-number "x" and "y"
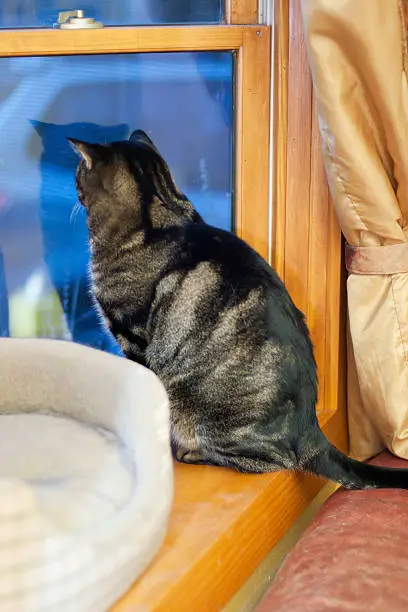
{"x": 182, "y": 100}
{"x": 35, "y": 13}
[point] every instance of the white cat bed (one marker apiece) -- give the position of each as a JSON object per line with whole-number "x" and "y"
{"x": 85, "y": 475}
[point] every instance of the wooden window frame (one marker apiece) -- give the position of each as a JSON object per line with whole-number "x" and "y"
{"x": 251, "y": 44}
{"x": 242, "y": 11}
{"x": 307, "y": 240}
{"x": 224, "y": 523}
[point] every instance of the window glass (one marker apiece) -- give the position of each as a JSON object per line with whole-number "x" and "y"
{"x": 40, "y": 13}
{"x": 183, "y": 100}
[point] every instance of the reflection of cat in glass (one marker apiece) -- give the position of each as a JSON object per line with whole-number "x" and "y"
{"x": 65, "y": 236}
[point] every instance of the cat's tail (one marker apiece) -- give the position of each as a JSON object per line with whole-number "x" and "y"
{"x": 331, "y": 463}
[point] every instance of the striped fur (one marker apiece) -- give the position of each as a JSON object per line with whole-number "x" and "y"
{"x": 204, "y": 311}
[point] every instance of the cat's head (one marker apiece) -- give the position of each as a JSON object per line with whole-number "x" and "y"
{"x": 128, "y": 177}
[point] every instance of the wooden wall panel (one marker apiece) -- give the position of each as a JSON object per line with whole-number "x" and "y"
{"x": 252, "y": 138}
{"x": 306, "y": 236}
{"x": 242, "y": 12}
{"x": 280, "y": 134}
{"x": 298, "y": 162}
{"x": 319, "y": 237}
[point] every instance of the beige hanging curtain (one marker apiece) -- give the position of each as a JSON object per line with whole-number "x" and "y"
{"x": 358, "y": 56}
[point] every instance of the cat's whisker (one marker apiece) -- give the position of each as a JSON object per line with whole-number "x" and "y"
{"x": 74, "y": 213}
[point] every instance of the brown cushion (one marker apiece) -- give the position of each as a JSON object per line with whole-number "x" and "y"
{"x": 353, "y": 557}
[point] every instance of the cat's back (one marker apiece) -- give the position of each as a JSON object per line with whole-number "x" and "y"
{"x": 243, "y": 272}
{"x": 220, "y": 295}
{"x": 234, "y": 259}
{"x": 222, "y": 324}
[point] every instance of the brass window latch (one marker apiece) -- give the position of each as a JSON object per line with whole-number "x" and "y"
{"x": 76, "y": 20}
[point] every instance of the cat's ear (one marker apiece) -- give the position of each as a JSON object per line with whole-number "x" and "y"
{"x": 89, "y": 152}
{"x": 140, "y": 137}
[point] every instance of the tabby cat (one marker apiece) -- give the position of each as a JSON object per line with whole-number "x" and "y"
{"x": 210, "y": 317}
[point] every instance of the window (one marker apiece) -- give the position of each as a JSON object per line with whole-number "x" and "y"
{"x": 40, "y": 13}
{"x": 202, "y": 92}
{"x": 183, "y": 100}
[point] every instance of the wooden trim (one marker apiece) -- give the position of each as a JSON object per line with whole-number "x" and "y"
{"x": 281, "y": 59}
{"x": 298, "y": 163}
{"x": 121, "y": 40}
{"x": 242, "y": 12}
{"x": 306, "y": 235}
{"x": 318, "y": 252}
{"x": 252, "y": 144}
{"x": 335, "y": 321}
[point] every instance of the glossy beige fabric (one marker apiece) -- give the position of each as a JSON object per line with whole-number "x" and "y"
{"x": 357, "y": 51}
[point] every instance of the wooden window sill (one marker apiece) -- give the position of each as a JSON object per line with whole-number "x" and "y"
{"x": 222, "y": 526}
